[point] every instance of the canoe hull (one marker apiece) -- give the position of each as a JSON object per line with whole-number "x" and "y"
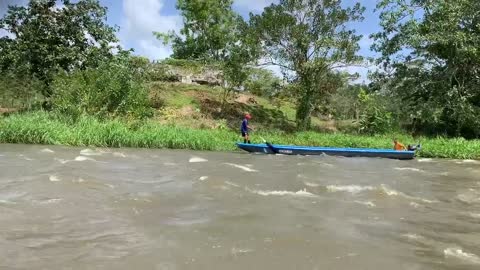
{"x": 311, "y": 151}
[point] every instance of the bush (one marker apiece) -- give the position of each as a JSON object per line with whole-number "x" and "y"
{"x": 374, "y": 118}
{"x": 18, "y": 91}
{"x": 115, "y": 88}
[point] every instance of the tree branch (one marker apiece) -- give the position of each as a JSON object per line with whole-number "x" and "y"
{"x": 273, "y": 63}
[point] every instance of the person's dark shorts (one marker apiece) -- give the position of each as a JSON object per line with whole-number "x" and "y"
{"x": 244, "y": 134}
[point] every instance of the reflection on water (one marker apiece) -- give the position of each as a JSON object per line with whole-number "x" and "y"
{"x": 74, "y": 208}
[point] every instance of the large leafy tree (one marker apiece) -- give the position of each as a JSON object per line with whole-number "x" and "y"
{"x": 213, "y": 32}
{"x": 209, "y": 26}
{"x": 309, "y": 40}
{"x": 431, "y": 59}
{"x": 47, "y": 36}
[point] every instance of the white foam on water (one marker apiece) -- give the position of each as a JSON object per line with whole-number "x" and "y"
{"x": 9, "y": 198}
{"x": 63, "y": 161}
{"x": 392, "y": 192}
{"x": 414, "y": 205}
{"x": 468, "y": 161}
{"x": 79, "y": 180}
{"x": 412, "y": 236}
{"x": 461, "y": 255}
{"x": 50, "y": 201}
{"x": 424, "y": 160}
{"x": 90, "y": 152}
{"x": 203, "y": 178}
{"x": 82, "y": 158}
{"x": 470, "y": 197}
{"x": 231, "y": 184}
{"x": 354, "y": 189}
{"x": 367, "y": 203}
{"x": 46, "y": 150}
{"x": 245, "y": 168}
{"x": 348, "y": 255}
{"x": 54, "y": 178}
{"x": 119, "y": 154}
{"x": 170, "y": 164}
{"x": 474, "y": 215}
{"x": 310, "y": 184}
{"x": 110, "y": 186}
{"x": 236, "y": 251}
{"x": 408, "y": 169}
{"x": 6, "y": 202}
{"x": 197, "y": 160}
{"x": 300, "y": 193}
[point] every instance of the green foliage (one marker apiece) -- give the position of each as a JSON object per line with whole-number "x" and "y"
{"x": 19, "y": 92}
{"x": 47, "y": 128}
{"x": 344, "y": 104}
{"x": 263, "y": 82}
{"x": 438, "y": 80}
{"x": 214, "y": 33}
{"x": 209, "y": 26}
{"x": 374, "y": 118}
{"x": 46, "y": 39}
{"x": 115, "y": 88}
{"x": 308, "y": 40}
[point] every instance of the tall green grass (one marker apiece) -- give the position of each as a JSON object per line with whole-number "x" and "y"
{"x": 47, "y": 128}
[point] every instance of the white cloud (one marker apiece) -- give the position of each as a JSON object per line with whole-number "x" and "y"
{"x": 154, "y": 49}
{"x": 142, "y": 18}
{"x": 5, "y": 33}
{"x": 253, "y": 5}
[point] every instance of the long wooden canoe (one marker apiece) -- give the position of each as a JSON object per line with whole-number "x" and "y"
{"x": 307, "y": 150}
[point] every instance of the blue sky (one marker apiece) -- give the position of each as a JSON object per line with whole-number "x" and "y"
{"x": 137, "y": 20}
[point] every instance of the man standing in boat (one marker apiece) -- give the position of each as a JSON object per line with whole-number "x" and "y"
{"x": 245, "y": 128}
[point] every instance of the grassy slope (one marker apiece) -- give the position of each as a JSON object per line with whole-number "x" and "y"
{"x": 200, "y": 107}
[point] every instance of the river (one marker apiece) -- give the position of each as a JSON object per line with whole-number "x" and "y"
{"x": 77, "y": 208}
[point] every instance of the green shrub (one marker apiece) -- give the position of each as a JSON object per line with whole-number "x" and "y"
{"x": 19, "y": 91}
{"x": 374, "y": 118}
{"x": 115, "y": 88}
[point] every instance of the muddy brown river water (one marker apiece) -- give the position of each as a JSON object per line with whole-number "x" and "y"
{"x": 76, "y": 208}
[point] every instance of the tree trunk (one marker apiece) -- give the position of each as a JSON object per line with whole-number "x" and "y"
{"x": 304, "y": 111}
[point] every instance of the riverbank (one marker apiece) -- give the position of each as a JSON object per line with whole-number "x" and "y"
{"x": 46, "y": 128}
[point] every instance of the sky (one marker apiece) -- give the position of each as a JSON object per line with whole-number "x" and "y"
{"x": 137, "y": 20}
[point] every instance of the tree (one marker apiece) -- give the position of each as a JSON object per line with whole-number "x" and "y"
{"x": 208, "y": 27}
{"x": 431, "y": 60}
{"x": 309, "y": 40}
{"x": 46, "y": 38}
{"x": 213, "y": 32}
{"x": 263, "y": 82}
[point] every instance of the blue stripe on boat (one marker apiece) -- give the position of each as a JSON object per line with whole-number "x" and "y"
{"x": 305, "y": 150}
